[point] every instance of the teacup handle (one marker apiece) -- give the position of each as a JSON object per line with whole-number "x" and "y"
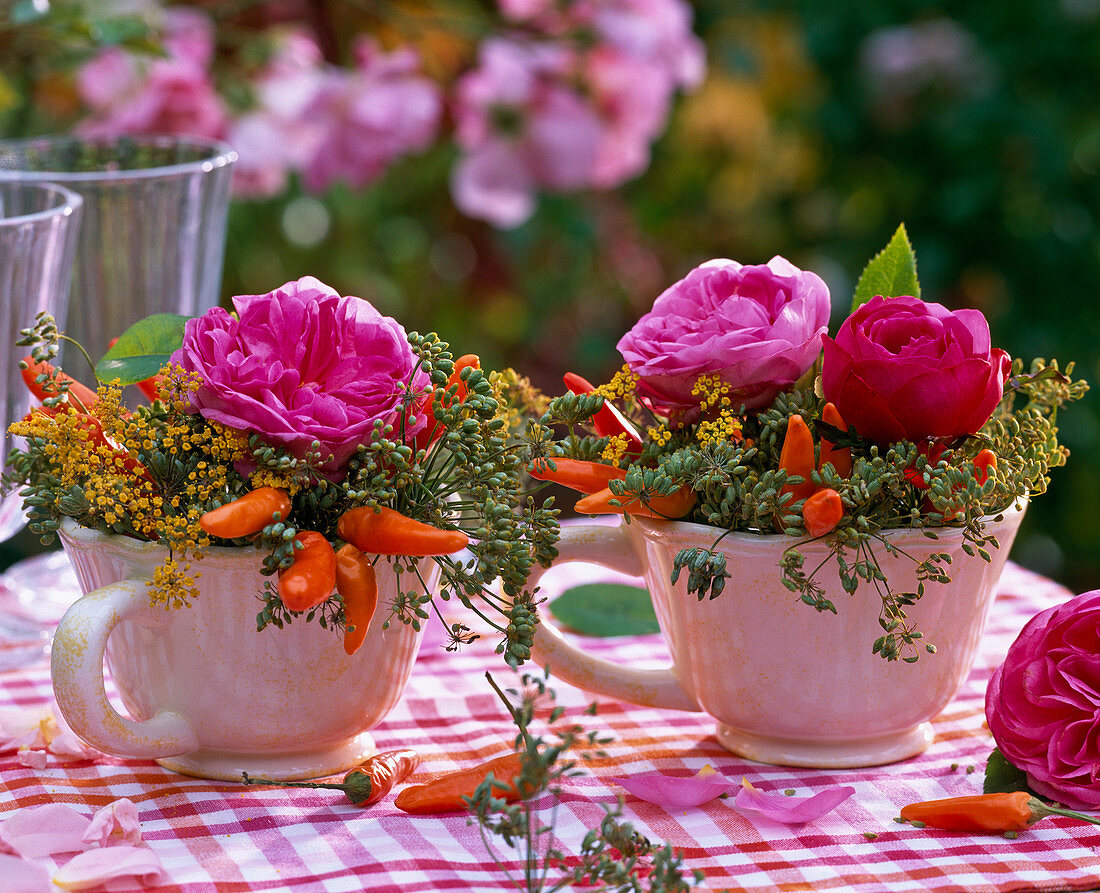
{"x": 608, "y": 547}
{"x": 77, "y": 670}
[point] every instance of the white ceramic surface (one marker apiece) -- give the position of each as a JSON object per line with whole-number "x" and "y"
{"x": 788, "y": 685}
{"x": 207, "y": 694}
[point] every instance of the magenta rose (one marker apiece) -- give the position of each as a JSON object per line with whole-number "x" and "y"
{"x": 1043, "y": 702}
{"x": 301, "y": 364}
{"x": 903, "y": 369}
{"x": 757, "y": 327}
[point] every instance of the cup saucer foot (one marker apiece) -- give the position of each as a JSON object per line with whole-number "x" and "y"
{"x": 279, "y": 766}
{"x": 844, "y": 753}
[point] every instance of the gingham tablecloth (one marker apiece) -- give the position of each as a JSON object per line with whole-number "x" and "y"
{"x": 213, "y": 836}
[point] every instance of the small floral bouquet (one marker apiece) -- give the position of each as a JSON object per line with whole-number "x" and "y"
{"x": 312, "y": 426}
{"x": 735, "y": 409}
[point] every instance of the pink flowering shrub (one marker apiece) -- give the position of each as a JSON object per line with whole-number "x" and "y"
{"x": 559, "y": 97}
{"x": 129, "y": 94}
{"x": 758, "y": 328}
{"x": 302, "y": 364}
{"x": 380, "y": 111}
{"x": 277, "y": 136}
{"x": 521, "y": 125}
{"x": 551, "y": 114}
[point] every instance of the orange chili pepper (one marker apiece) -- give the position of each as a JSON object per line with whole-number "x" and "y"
{"x": 577, "y": 474}
{"x": 608, "y": 421}
{"x": 676, "y": 505}
{"x": 822, "y": 512}
{"x": 470, "y": 360}
{"x": 840, "y": 458}
{"x": 364, "y": 785}
{"x": 80, "y": 396}
{"x": 386, "y": 532}
{"x": 797, "y": 457}
{"x": 984, "y": 463}
{"x": 247, "y": 514}
{"x": 358, "y": 587}
{"x": 312, "y": 577}
{"x": 434, "y": 429}
{"x": 150, "y": 387}
{"x": 445, "y": 793}
{"x": 1013, "y": 811}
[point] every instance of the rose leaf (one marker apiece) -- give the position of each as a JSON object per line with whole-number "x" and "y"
{"x": 1001, "y": 777}
{"x": 891, "y": 273}
{"x": 606, "y": 609}
{"x": 142, "y": 349}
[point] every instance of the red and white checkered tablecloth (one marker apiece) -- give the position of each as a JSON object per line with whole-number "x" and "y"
{"x": 213, "y": 836}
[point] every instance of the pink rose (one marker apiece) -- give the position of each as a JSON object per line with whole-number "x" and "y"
{"x": 757, "y": 327}
{"x": 302, "y": 364}
{"x": 903, "y": 369}
{"x": 1041, "y": 703}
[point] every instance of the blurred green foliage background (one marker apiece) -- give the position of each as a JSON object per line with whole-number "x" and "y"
{"x": 820, "y": 127}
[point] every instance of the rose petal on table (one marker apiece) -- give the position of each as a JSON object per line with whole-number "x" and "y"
{"x": 790, "y": 810}
{"x": 96, "y": 867}
{"x": 116, "y": 822}
{"x": 21, "y": 876}
{"x": 18, "y": 726}
{"x": 36, "y": 831}
{"x": 676, "y": 792}
{"x": 29, "y": 727}
{"x": 33, "y": 759}
{"x": 70, "y": 745}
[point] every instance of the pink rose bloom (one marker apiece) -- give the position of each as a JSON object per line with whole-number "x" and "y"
{"x": 757, "y": 327}
{"x": 383, "y": 110}
{"x": 523, "y": 127}
{"x": 302, "y": 364}
{"x": 1042, "y": 702}
{"x": 903, "y": 369}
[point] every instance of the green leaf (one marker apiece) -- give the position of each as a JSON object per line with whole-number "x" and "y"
{"x": 891, "y": 273}
{"x": 606, "y": 609}
{"x": 1001, "y": 776}
{"x": 142, "y": 349}
{"x": 115, "y": 31}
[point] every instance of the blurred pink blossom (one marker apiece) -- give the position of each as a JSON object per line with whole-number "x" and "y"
{"x": 173, "y": 94}
{"x": 522, "y": 10}
{"x": 369, "y": 117}
{"x": 277, "y": 135}
{"x": 647, "y": 51}
{"x": 576, "y": 107}
{"x": 658, "y": 31}
{"x": 522, "y": 126}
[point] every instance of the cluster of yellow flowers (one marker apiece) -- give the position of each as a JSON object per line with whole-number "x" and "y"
{"x": 94, "y": 450}
{"x": 716, "y": 427}
{"x": 621, "y": 386}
